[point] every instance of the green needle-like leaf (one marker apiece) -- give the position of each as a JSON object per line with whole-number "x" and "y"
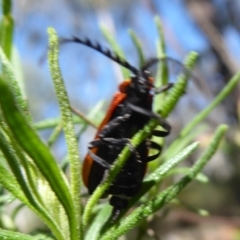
{"x": 138, "y": 46}
{"x": 201, "y": 116}
{"x": 33, "y": 146}
{"x": 162, "y": 69}
{"x": 10, "y": 183}
{"x": 68, "y": 126}
{"x": 98, "y": 222}
{"x": 11, "y": 235}
{"x": 6, "y": 28}
{"x": 8, "y": 73}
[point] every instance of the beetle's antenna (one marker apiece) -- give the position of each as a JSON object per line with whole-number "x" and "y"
{"x": 149, "y": 63}
{"x": 87, "y": 42}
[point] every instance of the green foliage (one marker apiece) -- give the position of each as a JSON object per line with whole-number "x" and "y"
{"x": 6, "y": 28}
{"x": 68, "y": 126}
{"x": 31, "y": 174}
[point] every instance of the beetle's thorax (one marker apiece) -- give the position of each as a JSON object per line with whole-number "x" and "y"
{"x": 138, "y": 88}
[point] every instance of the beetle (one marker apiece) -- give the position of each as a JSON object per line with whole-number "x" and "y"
{"x": 129, "y": 111}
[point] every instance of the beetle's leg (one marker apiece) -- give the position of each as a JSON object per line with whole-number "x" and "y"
{"x": 99, "y": 160}
{"x": 96, "y": 158}
{"x": 163, "y": 88}
{"x": 113, "y": 124}
{"x": 159, "y": 133}
{"x": 123, "y": 142}
{"x": 111, "y": 142}
{"x": 151, "y": 114}
{"x": 155, "y": 146}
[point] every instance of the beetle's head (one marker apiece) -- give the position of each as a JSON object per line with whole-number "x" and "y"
{"x": 141, "y": 80}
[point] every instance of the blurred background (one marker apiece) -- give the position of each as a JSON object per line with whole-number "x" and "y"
{"x": 209, "y": 27}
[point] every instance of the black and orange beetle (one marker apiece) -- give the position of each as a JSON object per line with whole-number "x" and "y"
{"x": 129, "y": 111}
